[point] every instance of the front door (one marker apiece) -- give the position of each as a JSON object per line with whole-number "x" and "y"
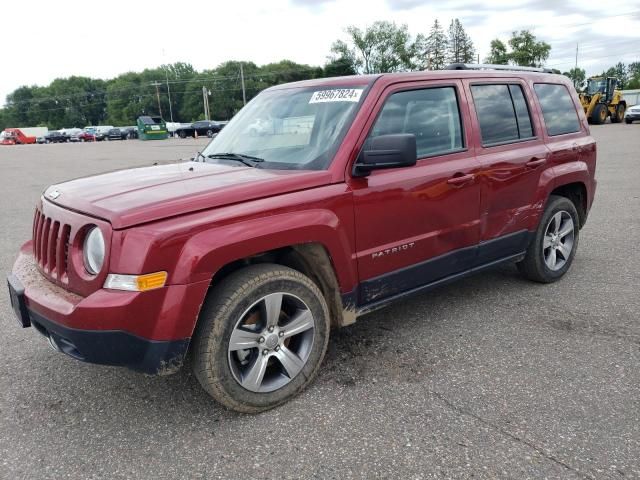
{"x": 416, "y": 225}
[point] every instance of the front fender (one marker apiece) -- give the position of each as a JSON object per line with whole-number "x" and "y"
{"x": 193, "y": 247}
{"x": 207, "y": 252}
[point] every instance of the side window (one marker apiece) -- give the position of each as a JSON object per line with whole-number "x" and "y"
{"x": 431, "y": 114}
{"x": 502, "y": 113}
{"x": 558, "y": 109}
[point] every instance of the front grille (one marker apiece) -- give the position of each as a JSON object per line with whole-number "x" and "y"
{"x": 51, "y": 246}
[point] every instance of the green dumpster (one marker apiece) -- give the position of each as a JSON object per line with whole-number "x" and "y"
{"x": 152, "y": 128}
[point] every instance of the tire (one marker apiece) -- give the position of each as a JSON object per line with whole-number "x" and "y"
{"x": 619, "y": 115}
{"x": 241, "y": 301}
{"x": 181, "y": 134}
{"x": 628, "y": 121}
{"x": 536, "y": 263}
{"x": 599, "y": 114}
{"x": 209, "y": 133}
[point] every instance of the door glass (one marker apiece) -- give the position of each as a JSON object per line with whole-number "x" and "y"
{"x": 502, "y": 113}
{"x": 558, "y": 109}
{"x": 431, "y": 114}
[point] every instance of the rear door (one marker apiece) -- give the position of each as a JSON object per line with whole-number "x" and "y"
{"x": 512, "y": 154}
{"x": 567, "y": 135}
{"x": 418, "y": 224}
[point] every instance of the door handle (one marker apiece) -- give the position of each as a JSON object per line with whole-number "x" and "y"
{"x": 460, "y": 179}
{"x": 536, "y": 162}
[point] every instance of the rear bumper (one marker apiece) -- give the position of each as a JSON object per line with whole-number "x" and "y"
{"x": 145, "y": 331}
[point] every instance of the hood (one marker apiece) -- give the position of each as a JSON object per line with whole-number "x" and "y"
{"x": 130, "y": 197}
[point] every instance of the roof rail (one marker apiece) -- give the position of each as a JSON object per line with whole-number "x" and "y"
{"x": 488, "y": 66}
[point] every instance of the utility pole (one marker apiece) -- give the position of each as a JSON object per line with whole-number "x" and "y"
{"x": 157, "y": 84}
{"x": 205, "y": 101}
{"x": 576, "y": 56}
{"x": 244, "y": 94}
{"x": 166, "y": 71}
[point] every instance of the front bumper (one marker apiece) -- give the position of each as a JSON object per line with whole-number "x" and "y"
{"x": 144, "y": 331}
{"x": 632, "y": 116}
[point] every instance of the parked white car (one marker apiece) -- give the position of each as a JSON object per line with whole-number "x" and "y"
{"x": 632, "y": 114}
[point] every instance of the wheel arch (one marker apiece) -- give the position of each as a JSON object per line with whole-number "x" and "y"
{"x": 577, "y": 193}
{"x": 311, "y": 259}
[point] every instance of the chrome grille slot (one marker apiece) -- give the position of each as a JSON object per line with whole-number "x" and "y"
{"x": 51, "y": 246}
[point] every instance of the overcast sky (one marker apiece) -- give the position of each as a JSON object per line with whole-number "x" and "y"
{"x": 42, "y": 40}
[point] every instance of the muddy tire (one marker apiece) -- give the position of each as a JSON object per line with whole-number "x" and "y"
{"x": 261, "y": 337}
{"x": 618, "y": 116}
{"x": 554, "y": 243}
{"x": 599, "y": 115}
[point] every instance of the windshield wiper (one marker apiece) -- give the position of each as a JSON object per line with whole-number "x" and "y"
{"x": 248, "y": 160}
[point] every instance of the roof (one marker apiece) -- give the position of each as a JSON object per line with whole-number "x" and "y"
{"x": 360, "y": 80}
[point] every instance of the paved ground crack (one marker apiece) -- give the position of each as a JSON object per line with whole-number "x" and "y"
{"x": 505, "y": 432}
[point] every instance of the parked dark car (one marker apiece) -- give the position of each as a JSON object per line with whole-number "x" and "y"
{"x": 116, "y": 134}
{"x": 203, "y": 127}
{"x": 56, "y": 137}
{"x": 129, "y": 132}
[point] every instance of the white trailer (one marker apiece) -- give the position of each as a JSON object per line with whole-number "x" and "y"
{"x": 34, "y": 131}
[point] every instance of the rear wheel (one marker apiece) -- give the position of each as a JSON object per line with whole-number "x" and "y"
{"x": 618, "y": 116}
{"x": 181, "y": 134}
{"x": 554, "y": 244}
{"x": 209, "y": 133}
{"x": 261, "y": 337}
{"x": 599, "y": 115}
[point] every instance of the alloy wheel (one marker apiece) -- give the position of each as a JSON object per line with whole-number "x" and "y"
{"x": 271, "y": 342}
{"x": 558, "y": 240}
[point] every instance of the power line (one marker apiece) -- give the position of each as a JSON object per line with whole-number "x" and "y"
{"x": 137, "y": 85}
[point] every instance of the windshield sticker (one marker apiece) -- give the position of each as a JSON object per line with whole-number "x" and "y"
{"x": 340, "y": 95}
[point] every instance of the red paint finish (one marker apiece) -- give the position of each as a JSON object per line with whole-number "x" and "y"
{"x": 192, "y": 219}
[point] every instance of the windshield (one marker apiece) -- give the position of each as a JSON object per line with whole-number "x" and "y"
{"x": 595, "y": 86}
{"x": 290, "y": 129}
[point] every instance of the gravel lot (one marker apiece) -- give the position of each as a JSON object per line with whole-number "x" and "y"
{"x": 489, "y": 377}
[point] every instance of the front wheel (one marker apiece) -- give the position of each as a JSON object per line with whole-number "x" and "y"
{"x": 599, "y": 115}
{"x": 554, "y": 243}
{"x": 261, "y": 337}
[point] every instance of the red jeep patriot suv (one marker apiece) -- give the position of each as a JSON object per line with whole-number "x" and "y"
{"x": 320, "y": 201}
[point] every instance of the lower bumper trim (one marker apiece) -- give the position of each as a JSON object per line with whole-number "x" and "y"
{"x": 114, "y": 347}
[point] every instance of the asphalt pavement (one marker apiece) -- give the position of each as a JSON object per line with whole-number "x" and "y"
{"x": 490, "y": 377}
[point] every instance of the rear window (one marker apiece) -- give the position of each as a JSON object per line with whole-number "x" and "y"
{"x": 558, "y": 109}
{"x": 502, "y": 112}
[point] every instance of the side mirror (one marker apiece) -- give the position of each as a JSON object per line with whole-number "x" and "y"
{"x": 386, "y": 151}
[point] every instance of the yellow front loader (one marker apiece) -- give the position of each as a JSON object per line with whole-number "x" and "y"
{"x": 601, "y": 100}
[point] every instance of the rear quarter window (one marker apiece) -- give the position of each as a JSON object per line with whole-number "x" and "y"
{"x": 558, "y": 110}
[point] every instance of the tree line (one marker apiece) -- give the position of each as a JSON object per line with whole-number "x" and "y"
{"x": 176, "y": 90}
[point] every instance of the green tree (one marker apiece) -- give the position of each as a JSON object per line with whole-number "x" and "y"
{"x": 382, "y": 47}
{"x": 577, "y": 76}
{"x": 526, "y": 51}
{"x": 498, "y": 53}
{"x": 460, "y": 48}
{"x": 339, "y": 67}
{"x": 437, "y": 46}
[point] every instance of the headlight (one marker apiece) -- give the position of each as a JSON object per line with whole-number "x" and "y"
{"x": 93, "y": 251}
